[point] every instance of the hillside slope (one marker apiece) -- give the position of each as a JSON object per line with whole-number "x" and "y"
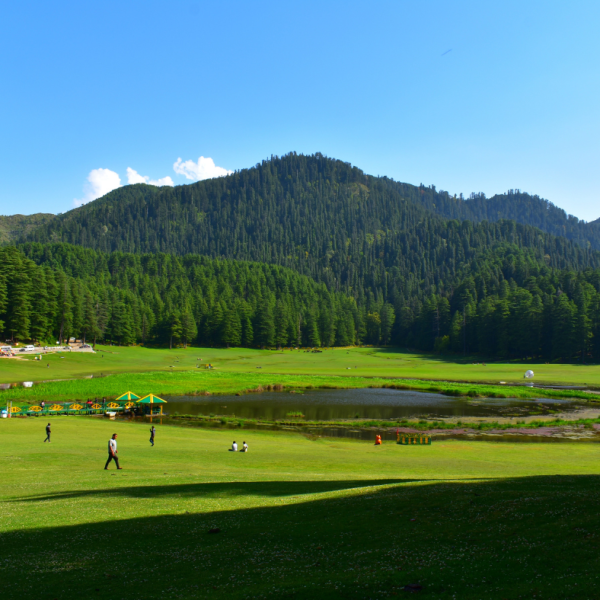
{"x": 14, "y": 227}
{"x": 520, "y": 207}
{"x": 318, "y": 216}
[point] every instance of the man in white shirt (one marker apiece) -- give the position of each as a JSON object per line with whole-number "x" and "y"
{"x": 112, "y": 452}
{"x": 245, "y": 447}
{"x": 234, "y": 447}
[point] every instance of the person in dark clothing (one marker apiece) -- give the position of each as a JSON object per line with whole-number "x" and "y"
{"x": 47, "y": 433}
{"x": 112, "y": 452}
{"x": 152, "y": 434}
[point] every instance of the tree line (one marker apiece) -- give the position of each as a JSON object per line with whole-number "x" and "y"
{"x": 510, "y": 306}
{"x": 53, "y": 292}
{"x": 504, "y": 304}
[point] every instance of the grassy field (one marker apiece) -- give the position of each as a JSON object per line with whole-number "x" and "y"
{"x": 362, "y": 362}
{"x": 298, "y": 518}
{"x": 201, "y": 381}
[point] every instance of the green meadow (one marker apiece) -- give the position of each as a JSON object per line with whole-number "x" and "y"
{"x": 202, "y": 382}
{"x": 362, "y": 362}
{"x": 182, "y": 371}
{"x": 298, "y": 518}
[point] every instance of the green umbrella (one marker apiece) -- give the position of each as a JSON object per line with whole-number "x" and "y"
{"x": 151, "y": 399}
{"x": 128, "y": 396}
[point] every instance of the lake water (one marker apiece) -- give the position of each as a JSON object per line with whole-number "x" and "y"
{"x": 326, "y": 405}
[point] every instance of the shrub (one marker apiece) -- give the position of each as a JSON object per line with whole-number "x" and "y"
{"x": 452, "y": 392}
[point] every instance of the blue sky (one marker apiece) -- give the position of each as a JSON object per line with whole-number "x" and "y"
{"x": 468, "y": 96}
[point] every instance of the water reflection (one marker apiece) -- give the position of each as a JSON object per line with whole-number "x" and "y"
{"x": 327, "y": 405}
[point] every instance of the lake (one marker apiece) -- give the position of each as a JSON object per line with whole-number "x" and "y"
{"x": 370, "y": 403}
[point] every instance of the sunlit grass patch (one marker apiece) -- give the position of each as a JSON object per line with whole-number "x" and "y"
{"x": 297, "y": 517}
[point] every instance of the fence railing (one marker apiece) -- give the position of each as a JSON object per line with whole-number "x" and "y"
{"x": 69, "y": 408}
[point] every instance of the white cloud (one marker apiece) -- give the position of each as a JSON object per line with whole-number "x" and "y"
{"x": 162, "y": 181}
{"x": 205, "y": 168}
{"x": 102, "y": 181}
{"x": 134, "y": 177}
{"x": 99, "y": 183}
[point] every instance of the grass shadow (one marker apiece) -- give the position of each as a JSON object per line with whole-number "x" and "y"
{"x": 512, "y": 538}
{"x": 218, "y": 490}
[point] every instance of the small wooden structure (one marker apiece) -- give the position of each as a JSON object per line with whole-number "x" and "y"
{"x": 123, "y": 403}
{"x": 407, "y": 439}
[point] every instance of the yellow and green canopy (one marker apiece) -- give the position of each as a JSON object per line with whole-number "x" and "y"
{"x": 128, "y": 396}
{"x": 151, "y": 399}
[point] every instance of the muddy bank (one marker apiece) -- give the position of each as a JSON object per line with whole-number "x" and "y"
{"x": 574, "y": 432}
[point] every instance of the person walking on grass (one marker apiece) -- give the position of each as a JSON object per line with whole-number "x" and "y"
{"x": 152, "y": 434}
{"x": 48, "y": 431}
{"x": 112, "y": 452}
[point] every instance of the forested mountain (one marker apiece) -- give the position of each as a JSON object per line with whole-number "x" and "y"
{"x": 515, "y": 205}
{"x": 15, "y": 227}
{"x": 382, "y": 266}
{"x": 521, "y": 207}
{"x": 318, "y": 216}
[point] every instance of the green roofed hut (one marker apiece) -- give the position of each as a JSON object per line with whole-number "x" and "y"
{"x": 152, "y": 399}
{"x": 128, "y": 396}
